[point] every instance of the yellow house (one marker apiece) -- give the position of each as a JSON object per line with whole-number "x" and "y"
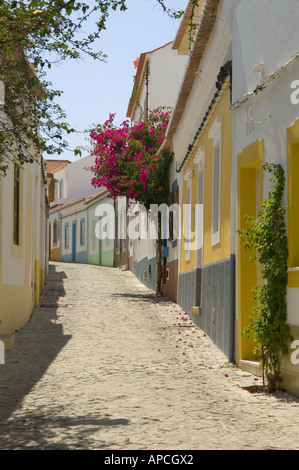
{"x": 200, "y": 135}
{"x": 23, "y": 244}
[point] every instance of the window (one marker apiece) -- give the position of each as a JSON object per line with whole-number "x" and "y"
{"x": 200, "y": 205}
{"x": 55, "y": 232}
{"x": 187, "y": 234}
{"x": 199, "y": 162}
{"x": 66, "y": 235}
{"x": 82, "y": 232}
{"x": 216, "y": 193}
{"x": 16, "y": 206}
{"x": 215, "y": 134}
{"x": 174, "y": 223}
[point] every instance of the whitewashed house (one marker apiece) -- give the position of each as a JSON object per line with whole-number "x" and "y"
{"x": 23, "y": 244}
{"x": 266, "y": 129}
{"x": 72, "y": 183}
{"x": 200, "y": 136}
{"x": 70, "y": 233}
{"x": 158, "y": 77}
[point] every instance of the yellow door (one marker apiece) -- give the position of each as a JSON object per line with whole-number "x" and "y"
{"x": 249, "y": 200}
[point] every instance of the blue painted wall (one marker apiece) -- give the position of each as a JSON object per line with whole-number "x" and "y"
{"x": 73, "y": 255}
{"x": 148, "y": 265}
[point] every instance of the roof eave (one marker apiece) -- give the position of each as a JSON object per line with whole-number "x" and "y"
{"x": 205, "y": 27}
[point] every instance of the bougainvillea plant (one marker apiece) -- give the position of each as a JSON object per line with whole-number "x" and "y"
{"x": 266, "y": 235}
{"x": 127, "y": 163}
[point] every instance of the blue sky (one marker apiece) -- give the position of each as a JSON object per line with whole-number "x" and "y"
{"x": 93, "y": 89}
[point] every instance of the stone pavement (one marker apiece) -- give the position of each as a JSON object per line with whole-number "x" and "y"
{"x": 105, "y": 364}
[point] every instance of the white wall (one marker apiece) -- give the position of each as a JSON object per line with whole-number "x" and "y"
{"x": 69, "y": 218}
{"x": 265, "y": 31}
{"x": 216, "y": 54}
{"x": 79, "y": 177}
{"x": 60, "y": 175}
{"x": 32, "y": 200}
{"x": 166, "y": 71}
{"x": 166, "y": 68}
{"x": 14, "y": 268}
{"x": 276, "y": 102}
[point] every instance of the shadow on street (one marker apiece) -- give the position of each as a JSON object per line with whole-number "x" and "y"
{"x": 37, "y": 344}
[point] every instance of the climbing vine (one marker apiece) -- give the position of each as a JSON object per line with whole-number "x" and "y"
{"x": 266, "y": 235}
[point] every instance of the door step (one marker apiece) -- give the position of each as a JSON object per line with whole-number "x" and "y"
{"x": 252, "y": 366}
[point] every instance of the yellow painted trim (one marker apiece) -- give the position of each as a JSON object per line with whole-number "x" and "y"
{"x": 55, "y": 254}
{"x": 293, "y": 279}
{"x": 17, "y": 302}
{"x": 248, "y": 162}
{"x": 222, "y": 249}
{"x": 293, "y": 198}
{"x": 191, "y": 263}
{"x": 17, "y": 251}
{"x": 15, "y": 307}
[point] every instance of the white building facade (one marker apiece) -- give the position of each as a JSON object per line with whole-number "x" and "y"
{"x": 266, "y": 130}
{"x": 23, "y": 244}
{"x": 157, "y": 81}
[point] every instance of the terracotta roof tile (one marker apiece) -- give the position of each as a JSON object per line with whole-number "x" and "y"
{"x": 52, "y": 165}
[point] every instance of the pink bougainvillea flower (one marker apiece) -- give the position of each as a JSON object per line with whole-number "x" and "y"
{"x": 126, "y": 158}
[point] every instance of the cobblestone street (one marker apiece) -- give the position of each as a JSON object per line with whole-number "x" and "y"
{"x": 105, "y": 364}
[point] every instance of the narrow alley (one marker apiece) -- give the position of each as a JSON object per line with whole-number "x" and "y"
{"x": 105, "y": 364}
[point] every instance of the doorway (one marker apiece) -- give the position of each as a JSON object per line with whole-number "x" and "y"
{"x": 250, "y": 189}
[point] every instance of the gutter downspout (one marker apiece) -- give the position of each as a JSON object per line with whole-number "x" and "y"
{"x": 147, "y": 86}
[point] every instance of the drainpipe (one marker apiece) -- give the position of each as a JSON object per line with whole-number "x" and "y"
{"x": 146, "y": 84}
